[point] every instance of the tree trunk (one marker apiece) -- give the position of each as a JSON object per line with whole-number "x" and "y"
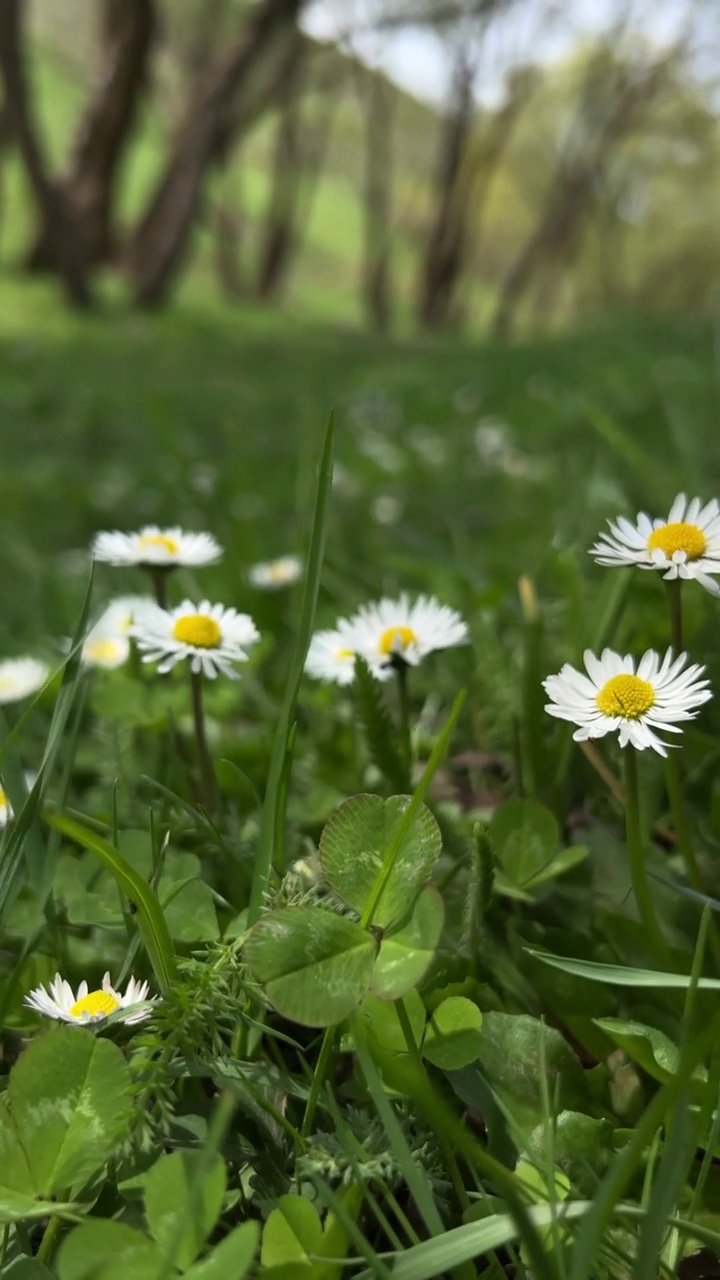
{"x": 377, "y": 283}
{"x": 160, "y": 241}
{"x": 66, "y": 244}
{"x": 287, "y": 174}
{"x": 445, "y": 251}
{"x": 129, "y": 28}
{"x": 558, "y": 232}
{"x": 228, "y": 226}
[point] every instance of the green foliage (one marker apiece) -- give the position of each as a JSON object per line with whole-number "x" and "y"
{"x": 354, "y": 847}
{"x": 406, "y": 954}
{"x": 452, "y": 1039}
{"x": 525, "y": 836}
{"x": 172, "y": 1211}
{"x": 63, "y": 1114}
{"x": 380, "y": 732}
{"x": 315, "y": 966}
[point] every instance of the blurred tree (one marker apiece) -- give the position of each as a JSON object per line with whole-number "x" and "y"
{"x": 379, "y": 99}
{"x": 66, "y": 242}
{"x": 225, "y": 98}
{"x": 615, "y": 94}
{"x": 128, "y": 29}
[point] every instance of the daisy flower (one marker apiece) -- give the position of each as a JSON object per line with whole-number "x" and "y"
{"x": 331, "y": 655}
{"x": 21, "y": 677}
{"x": 156, "y": 548}
{"x": 108, "y": 643}
{"x": 209, "y": 635}
{"x": 61, "y": 1003}
{"x": 686, "y": 545}
{"x": 273, "y": 574}
{"x": 614, "y": 697}
{"x": 6, "y": 809}
{"x": 400, "y": 630}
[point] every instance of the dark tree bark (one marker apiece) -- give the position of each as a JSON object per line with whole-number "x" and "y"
{"x": 457, "y": 226}
{"x": 160, "y": 241}
{"x": 128, "y": 32}
{"x": 377, "y": 280}
{"x": 66, "y": 243}
{"x": 557, "y": 235}
{"x": 445, "y": 249}
{"x": 287, "y": 173}
{"x": 228, "y": 227}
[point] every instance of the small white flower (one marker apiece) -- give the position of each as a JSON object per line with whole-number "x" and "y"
{"x": 686, "y": 545}
{"x": 61, "y": 1003}
{"x": 211, "y": 636}
{"x": 7, "y": 812}
{"x": 404, "y": 630}
{"x": 107, "y": 644}
{"x": 615, "y": 698}
{"x": 273, "y": 574}
{"x": 21, "y": 677}
{"x": 331, "y": 655}
{"x": 157, "y": 548}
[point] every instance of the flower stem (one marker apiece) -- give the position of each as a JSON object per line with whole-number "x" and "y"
{"x": 416, "y": 1057}
{"x": 641, "y": 888}
{"x": 207, "y": 773}
{"x": 401, "y": 669}
{"x": 49, "y": 1240}
{"x": 159, "y": 577}
{"x": 674, "y": 599}
{"x": 318, "y": 1080}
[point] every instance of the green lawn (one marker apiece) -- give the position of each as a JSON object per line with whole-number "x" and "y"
{"x": 460, "y": 466}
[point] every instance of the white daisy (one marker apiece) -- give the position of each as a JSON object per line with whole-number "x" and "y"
{"x": 61, "y": 1003}
{"x": 615, "y": 698}
{"x": 404, "y": 630}
{"x": 7, "y": 812}
{"x": 21, "y": 677}
{"x": 211, "y": 636}
{"x": 331, "y": 655}
{"x": 273, "y": 574}
{"x": 686, "y": 545}
{"x": 158, "y": 548}
{"x": 108, "y": 643}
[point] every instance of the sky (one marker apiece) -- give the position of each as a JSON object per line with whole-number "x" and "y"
{"x": 418, "y": 61}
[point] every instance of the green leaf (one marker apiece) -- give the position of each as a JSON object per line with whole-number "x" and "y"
{"x": 579, "y": 1145}
{"x": 355, "y": 842}
{"x": 151, "y": 921}
{"x": 621, "y": 976}
{"x": 382, "y": 1024}
{"x": 524, "y": 1061}
{"x": 525, "y": 836}
{"x": 380, "y": 732}
{"x": 100, "y": 1249}
{"x": 189, "y": 912}
{"x": 405, "y": 956}
{"x": 232, "y": 1258}
{"x": 292, "y": 1232}
{"x": 315, "y": 966}
{"x": 16, "y": 1207}
{"x": 27, "y": 1269}
{"x": 67, "y": 1100}
{"x": 168, "y": 1202}
{"x": 647, "y": 1046}
{"x": 452, "y": 1038}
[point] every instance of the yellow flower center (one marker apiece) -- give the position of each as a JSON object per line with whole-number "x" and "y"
{"x": 626, "y": 696}
{"x": 3, "y": 798}
{"x": 277, "y": 571}
{"x": 396, "y": 640}
{"x": 101, "y": 651}
{"x": 197, "y": 629}
{"x": 344, "y": 653}
{"x": 678, "y": 537}
{"x": 95, "y": 1002}
{"x": 159, "y": 540}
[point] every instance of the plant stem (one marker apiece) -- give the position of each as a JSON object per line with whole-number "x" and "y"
{"x": 207, "y": 773}
{"x": 49, "y": 1240}
{"x": 448, "y": 1153}
{"x": 641, "y": 888}
{"x": 318, "y": 1080}
{"x": 672, "y": 773}
{"x": 159, "y": 578}
{"x": 401, "y": 670}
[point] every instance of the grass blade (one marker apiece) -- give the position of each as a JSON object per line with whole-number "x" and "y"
{"x": 619, "y": 976}
{"x": 273, "y": 808}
